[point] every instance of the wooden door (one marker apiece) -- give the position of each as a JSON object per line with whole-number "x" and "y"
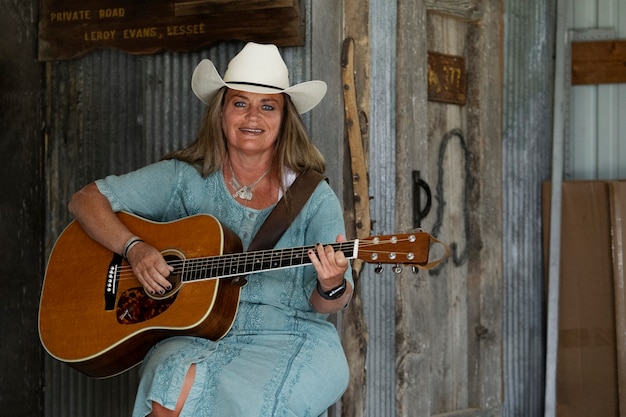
{"x": 448, "y": 321}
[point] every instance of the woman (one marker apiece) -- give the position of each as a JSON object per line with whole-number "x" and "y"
{"x": 281, "y": 357}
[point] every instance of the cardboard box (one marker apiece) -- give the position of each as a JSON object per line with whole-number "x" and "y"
{"x": 587, "y": 349}
{"x": 617, "y": 193}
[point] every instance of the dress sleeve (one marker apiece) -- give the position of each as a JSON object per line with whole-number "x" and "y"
{"x": 147, "y": 192}
{"x": 325, "y": 219}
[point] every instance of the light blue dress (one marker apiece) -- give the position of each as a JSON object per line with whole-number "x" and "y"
{"x": 280, "y": 358}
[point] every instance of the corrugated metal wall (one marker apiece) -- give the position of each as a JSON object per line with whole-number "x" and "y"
{"x": 110, "y": 112}
{"x": 594, "y": 150}
{"x": 379, "y": 290}
{"x": 597, "y": 140}
{"x": 527, "y": 130}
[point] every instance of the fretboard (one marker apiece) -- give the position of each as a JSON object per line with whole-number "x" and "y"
{"x": 244, "y": 263}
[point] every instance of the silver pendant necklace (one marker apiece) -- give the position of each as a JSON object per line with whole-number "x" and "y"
{"x": 243, "y": 191}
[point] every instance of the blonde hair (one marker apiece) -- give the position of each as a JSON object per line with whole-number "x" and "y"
{"x": 294, "y": 149}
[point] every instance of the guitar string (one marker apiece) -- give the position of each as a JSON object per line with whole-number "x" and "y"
{"x": 226, "y": 261}
{"x": 262, "y": 254}
{"x": 194, "y": 265}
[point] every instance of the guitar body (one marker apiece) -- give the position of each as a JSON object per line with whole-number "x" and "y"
{"x": 103, "y": 337}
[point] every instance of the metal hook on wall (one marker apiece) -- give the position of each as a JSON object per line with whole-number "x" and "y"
{"x": 419, "y": 213}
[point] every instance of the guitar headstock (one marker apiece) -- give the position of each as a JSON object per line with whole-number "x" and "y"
{"x": 407, "y": 249}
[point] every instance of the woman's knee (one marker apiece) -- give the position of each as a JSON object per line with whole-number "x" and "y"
{"x": 159, "y": 411}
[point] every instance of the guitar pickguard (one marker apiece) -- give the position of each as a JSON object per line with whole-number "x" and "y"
{"x": 135, "y": 306}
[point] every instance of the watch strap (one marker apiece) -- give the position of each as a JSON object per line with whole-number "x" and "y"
{"x": 334, "y": 293}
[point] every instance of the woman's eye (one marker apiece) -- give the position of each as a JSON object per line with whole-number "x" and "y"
{"x": 268, "y": 107}
{"x": 239, "y": 104}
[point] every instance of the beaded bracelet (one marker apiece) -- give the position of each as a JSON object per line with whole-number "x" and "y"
{"x": 129, "y": 245}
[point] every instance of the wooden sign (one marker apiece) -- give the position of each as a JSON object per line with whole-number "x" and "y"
{"x": 446, "y": 78}
{"x": 599, "y": 62}
{"x": 71, "y": 28}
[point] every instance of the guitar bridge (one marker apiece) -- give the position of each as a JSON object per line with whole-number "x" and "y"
{"x": 113, "y": 276}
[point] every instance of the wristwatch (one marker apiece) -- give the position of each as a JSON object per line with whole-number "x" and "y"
{"x": 334, "y": 293}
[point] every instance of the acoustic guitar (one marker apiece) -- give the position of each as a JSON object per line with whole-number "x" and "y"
{"x": 95, "y": 316}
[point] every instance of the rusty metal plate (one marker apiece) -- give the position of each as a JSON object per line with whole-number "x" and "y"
{"x": 71, "y": 28}
{"x": 446, "y": 78}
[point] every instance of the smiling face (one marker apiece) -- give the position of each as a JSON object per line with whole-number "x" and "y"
{"x": 252, "y": 121}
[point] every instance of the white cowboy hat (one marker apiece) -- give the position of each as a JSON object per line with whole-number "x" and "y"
{"x": 256, "y": 69}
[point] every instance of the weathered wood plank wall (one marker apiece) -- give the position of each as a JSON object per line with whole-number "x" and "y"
{"x": 449, "y": 321}
{"x": 414, "y": 297}
{"x": 354, "y": 328}
{"x": 22, "y": 208}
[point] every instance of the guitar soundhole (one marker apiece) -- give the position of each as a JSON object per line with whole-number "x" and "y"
{"x": 173, "y": 257}
{"x": 136, "y": 306}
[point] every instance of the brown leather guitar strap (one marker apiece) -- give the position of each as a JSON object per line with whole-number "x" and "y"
{"x": 286, "y": 210}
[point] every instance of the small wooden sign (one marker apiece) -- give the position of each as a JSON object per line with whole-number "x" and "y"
{"x": 599, "y": 62}
{"x": 71, "y": 28}
{"x": 446, "y": 78}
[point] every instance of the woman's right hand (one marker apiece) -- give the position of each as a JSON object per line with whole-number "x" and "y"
{"x": 150, "y": 268}
{"x": 95, "y": 215}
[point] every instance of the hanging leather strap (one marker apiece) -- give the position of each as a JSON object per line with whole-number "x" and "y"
{"x": 437, "y": 253}
{"x": 286, "y": 210}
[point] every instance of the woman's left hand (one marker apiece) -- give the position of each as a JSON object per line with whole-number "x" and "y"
{"x": 330, "y": 265}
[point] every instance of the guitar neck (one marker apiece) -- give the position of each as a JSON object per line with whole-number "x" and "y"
{"x": 238, "y": 264}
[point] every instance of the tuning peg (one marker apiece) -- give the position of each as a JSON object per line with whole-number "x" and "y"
{"x": 397, "y": 269}
{"x": 415, "y": 270}
{"x": 379, "y": 269}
